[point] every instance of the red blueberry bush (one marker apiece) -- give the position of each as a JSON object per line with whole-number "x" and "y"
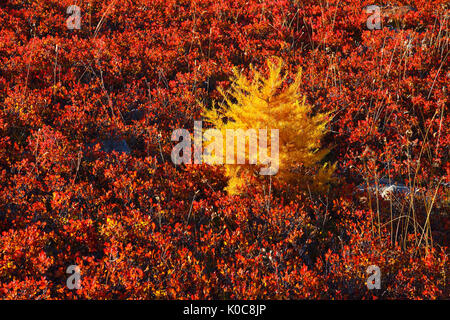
{"x": 86, "y": 177}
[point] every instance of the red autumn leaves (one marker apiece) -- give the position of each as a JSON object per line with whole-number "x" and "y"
{"x": 140, "y": 228}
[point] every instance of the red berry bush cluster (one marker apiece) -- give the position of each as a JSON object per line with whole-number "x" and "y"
{"x": 86, "y": 177}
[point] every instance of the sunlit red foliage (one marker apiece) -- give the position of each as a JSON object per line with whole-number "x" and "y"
{"x": 141, "y": 228}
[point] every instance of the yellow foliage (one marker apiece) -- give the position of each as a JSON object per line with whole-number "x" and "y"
{"x": 262, "y": 103}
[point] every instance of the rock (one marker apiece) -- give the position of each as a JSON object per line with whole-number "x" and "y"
{"x": 385, "y": 188}
{"x": 134, "y": 115}
{"x": 388, "y": 191}
{"x": 111, "y": 145}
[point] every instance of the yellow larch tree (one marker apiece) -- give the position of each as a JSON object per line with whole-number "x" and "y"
{"x": 262, "y": 103}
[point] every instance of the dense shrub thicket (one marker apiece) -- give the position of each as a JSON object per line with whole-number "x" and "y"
{"x": 86, "y": 178}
